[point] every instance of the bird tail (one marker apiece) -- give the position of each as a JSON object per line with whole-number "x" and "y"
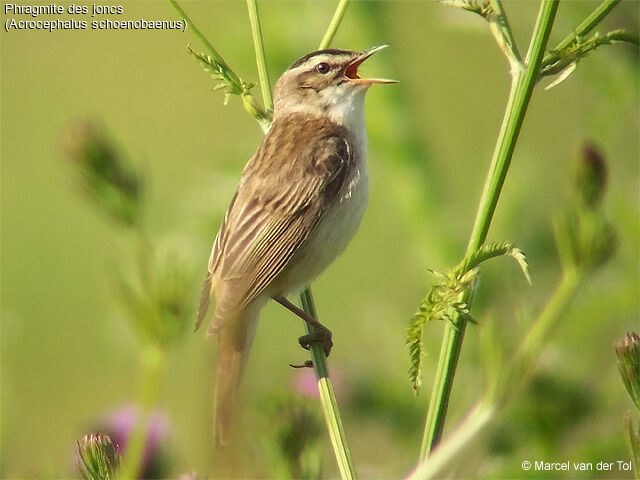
{"x": 234, "y": 343}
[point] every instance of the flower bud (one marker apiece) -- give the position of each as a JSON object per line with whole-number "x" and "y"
{"x": 628, "y": 353}
{"x": 97, "y": 458}
{"x": 591, "y": 176}
{"x": 104, "y": 173}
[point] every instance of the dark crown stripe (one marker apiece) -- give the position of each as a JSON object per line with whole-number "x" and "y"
{"x": 327, "y": 51}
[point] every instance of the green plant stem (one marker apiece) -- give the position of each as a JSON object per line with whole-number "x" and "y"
{"x": 633, "y": 444}
{"x": 152, "y": 361}
{"x": 212, "y": 51}
{"x": 555, "y": 307}
{"x": 583, "y": 29}
{"x": 502, "y": 32}
{"x": 249, "y": 102}
{"x": 325, "y": 387}
{"x": 522, "y": 85}
{"x": 524, "y": 361}
{"x": 335, "y": 23}
{"x": 589, "y": 23}
{"x": 261, "y": 62}
{"x": 328, "y": 398}
{"x": 475, "y": 421}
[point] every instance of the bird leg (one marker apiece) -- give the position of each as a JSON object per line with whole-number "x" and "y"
{"x": 321, "y": 334}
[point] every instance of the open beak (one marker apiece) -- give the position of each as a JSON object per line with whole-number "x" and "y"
{"x": 351, "y": 72}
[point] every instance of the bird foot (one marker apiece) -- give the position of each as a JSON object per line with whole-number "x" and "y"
{"x": 322, "y": 336}
{"x": 306, "y": 364}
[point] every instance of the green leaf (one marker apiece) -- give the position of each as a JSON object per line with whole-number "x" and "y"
{"x": 563, "y": 62}
{"x": 563, "y": 75}
{"x": 442, "y": 302}
{"x": 493, "y": 250}
{"x": 220, "y": 72}
{"x": 519, "y": 256}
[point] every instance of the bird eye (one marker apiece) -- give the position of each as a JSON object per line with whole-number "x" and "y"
{"x": 322, "y": 68}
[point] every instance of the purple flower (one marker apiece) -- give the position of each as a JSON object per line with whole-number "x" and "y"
{"x": 120, "y": 424}
{"x": 304, "y": 383}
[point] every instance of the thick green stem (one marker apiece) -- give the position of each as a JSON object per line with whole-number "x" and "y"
{"x": 261, "y": 62}
{"x": 475, "y": 421}
{"x": 522, "y": 85}
{"x": 442, "y": 383}
{"x": 152, "y": 360}
{"x": 516, "y": 370}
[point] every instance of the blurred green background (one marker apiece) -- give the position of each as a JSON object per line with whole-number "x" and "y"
{"x": 69, "y": 356}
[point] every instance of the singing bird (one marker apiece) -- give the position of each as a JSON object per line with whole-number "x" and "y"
{"x": 299, "y": 202}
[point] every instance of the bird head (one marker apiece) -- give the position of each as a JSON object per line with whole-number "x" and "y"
{"x": 325, "y": 82}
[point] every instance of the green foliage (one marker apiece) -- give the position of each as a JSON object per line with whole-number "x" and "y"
{"x": 159, "y": 305}
{"x": 233, "y": 85}
{"x": 590, "y": 176}
{"x": 444, "y": 301}
{"x": 297, "y": 430}
{"x": 492, "y": 250}
{"x": 563, "y": 62}
{"x": 549, "y": 407}
{"x": 105, "y": 175}
{"x": 229, "y": 82}
{"x": 97, "y": 458}
{"x": 584, "y": 236}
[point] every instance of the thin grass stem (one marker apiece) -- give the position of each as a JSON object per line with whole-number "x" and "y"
{"x": 325, "y": 387}
{"x": 328, "y": 398}
{"x": 504, "y": 36}
{"x": 261, "y": 62}
{"x": 335, "y": 23}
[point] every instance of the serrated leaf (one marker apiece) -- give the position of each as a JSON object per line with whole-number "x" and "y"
{"x": 564, "y": 61}
{"x": 493, "y": 250}
{"x": 521, "y": 259}
{"x": 414, "y": 342}
{"x": 442, "y": 302}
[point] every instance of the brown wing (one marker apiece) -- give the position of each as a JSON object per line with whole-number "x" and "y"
{"x": 284, "y": 191}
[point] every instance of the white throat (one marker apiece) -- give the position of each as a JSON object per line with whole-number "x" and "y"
{"x": 346, "y": 108}
{"x": 343, "y": 105}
